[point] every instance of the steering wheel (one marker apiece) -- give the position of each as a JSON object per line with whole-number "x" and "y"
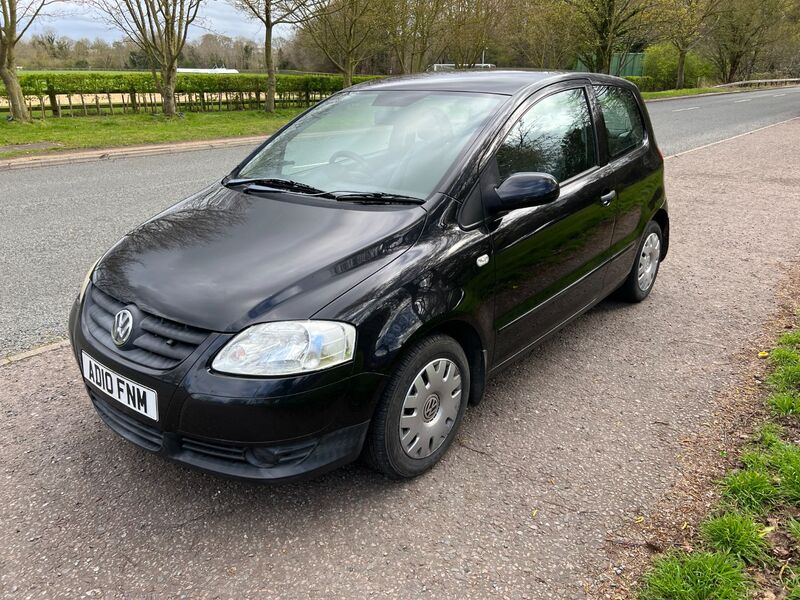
{"x": 347, "y": 154}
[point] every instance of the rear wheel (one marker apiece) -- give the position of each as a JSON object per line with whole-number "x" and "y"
{"x": 420, "y": 409}
{"x": 643, "y": 274}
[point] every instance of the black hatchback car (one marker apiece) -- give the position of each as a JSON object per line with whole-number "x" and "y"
{"x": 350, "y": 286}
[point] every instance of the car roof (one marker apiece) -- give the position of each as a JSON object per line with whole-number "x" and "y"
{"x": 505, "y": 82}
{"x": 494, "y": 81}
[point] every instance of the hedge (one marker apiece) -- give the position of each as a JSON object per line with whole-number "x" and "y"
{"x": 643, "y": 82}
{"x": 42, "y": 83}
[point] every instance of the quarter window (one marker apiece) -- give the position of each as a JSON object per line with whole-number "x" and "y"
{"x": 555, "y": 136}
{"x": 624, "y": 125}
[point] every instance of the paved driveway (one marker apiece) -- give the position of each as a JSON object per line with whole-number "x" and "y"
{"x": 573, "y": 440}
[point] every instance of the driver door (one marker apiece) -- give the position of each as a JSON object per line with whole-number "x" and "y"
{"x": 549, "y": 259}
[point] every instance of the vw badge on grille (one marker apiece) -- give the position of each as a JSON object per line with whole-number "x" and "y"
{"x": 122, "y": 327}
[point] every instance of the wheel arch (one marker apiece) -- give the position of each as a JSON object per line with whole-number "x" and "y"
{"x": 662, "y": 218}
{"x": 473, "y": 345}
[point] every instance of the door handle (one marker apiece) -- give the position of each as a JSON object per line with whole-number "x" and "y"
{"x": 608, "y": 197}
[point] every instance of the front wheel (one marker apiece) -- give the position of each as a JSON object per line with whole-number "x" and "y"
{"x": 420, "y": 409}
{"x": 643, "y": 274}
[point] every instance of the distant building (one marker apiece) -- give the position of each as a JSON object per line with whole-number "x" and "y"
{"x": 214, "y": 70}
{"x": 453, "y": 67}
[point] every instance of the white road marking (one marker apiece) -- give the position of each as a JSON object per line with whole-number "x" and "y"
{"x": 733, "y": 137}
{"x": 683, "y": 109}
{"x": 738, "y": 101}
{"x": 777, "y": 95}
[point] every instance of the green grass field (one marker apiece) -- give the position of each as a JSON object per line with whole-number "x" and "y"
{"x": 684, "y": 92}
{"x": 129, "y": 130}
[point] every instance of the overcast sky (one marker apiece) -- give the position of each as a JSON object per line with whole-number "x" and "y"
{"x": 216, "y": 16}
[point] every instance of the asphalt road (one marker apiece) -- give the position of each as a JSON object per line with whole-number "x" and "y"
{"x": 55, "y": 221}
{"x": 691, "y": 122}
{"x": 571, "y": 442}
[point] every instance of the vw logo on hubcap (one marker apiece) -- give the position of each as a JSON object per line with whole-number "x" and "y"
{"x": 122, "y": 327}
{"x": 431, "y": 408}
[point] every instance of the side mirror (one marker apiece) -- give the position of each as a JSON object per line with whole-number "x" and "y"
{"x": 522, "y": 190}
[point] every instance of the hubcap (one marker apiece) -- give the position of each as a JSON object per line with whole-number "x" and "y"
{"x": 648, "y": 261}
{"x": 430, "y": 408}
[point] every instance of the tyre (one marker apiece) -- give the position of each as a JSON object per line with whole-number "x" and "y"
{"x": 643, "y": 274}
{"x": 420, "y": 409}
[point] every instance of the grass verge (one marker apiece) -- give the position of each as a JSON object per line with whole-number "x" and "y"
{"x": 680, "y": 93}
{"x": 750, "y": 545}
{"x": 130, "y": 130}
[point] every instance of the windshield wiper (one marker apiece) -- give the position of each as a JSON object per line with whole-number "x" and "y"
{"x": 275, "y": 183}
{"x": 375, "y": 198}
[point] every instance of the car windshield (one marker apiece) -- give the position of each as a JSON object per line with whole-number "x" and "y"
{"x": 389, "y": 142}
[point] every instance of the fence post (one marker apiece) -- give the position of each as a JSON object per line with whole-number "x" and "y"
{"x": 51, "y": 93}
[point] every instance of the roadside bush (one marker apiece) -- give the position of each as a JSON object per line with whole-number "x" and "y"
{"x": 785, "y": 460}
{"x": 791, "y": 339}
{"x": 769, "y": 435}
{"x": 786, "y": 379}
{"x": 696, "y": 576}
{"x": 750, "y": 490}
{"x": 661, "y": 65}
{"x": 785, "y": 403}
{"x": 644, "y": 83}
{"x": 41, "y": 83}
{"x": 738, "y": 535}
{"x": 785, "y": 357}
{"x": 793, "y": 528}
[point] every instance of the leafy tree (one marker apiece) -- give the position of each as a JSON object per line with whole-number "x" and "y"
{"x": 743, "y": 30}
{"x": 686, "y": 23}
{"x": 610, "y": 26}
{"x": 661, "y": 63}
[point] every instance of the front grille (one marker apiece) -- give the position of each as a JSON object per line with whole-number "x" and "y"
{"x": 131, "y": 429}
{"x": 213, "y": 449}
{"x": 265, "y": 456}
{"x": 159, "y": 343}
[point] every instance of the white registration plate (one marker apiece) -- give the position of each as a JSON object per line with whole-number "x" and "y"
{"x": 137, "y": 397}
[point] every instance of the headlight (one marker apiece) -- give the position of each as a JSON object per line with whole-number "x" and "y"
{"x": 287, "y": 348}
{"x": 86, "y": 281}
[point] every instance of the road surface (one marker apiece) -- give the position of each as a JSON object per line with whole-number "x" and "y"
{"x": 55, "y": 221}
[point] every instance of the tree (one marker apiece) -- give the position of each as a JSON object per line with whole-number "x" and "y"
{"x": 687, "y": 22}
{"x": 543, "y": 33}
{"x": 17, "y": 17}
{"x": 345, "y": 31}
{"x": 743, "y": 30}
{"x": 159, "y": 28}
{"x": 470, "y": 24}
{"x": 272, "y": 13}
{"x": 611, "y": 26}
{"x": 415, "y": 32}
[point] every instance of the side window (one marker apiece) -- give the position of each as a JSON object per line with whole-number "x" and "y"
{"x": 623, "y": 120}
{"x": 555, "y": 136}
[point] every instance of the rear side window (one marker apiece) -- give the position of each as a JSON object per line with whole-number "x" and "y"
{"x": 555, "y": 136}
{"x": 623, "y": 120}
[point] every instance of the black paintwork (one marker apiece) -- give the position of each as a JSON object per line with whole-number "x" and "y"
{"x": 223, "y": 259}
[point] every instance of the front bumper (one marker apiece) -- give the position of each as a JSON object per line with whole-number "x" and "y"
{"x": 248, "y": 428}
